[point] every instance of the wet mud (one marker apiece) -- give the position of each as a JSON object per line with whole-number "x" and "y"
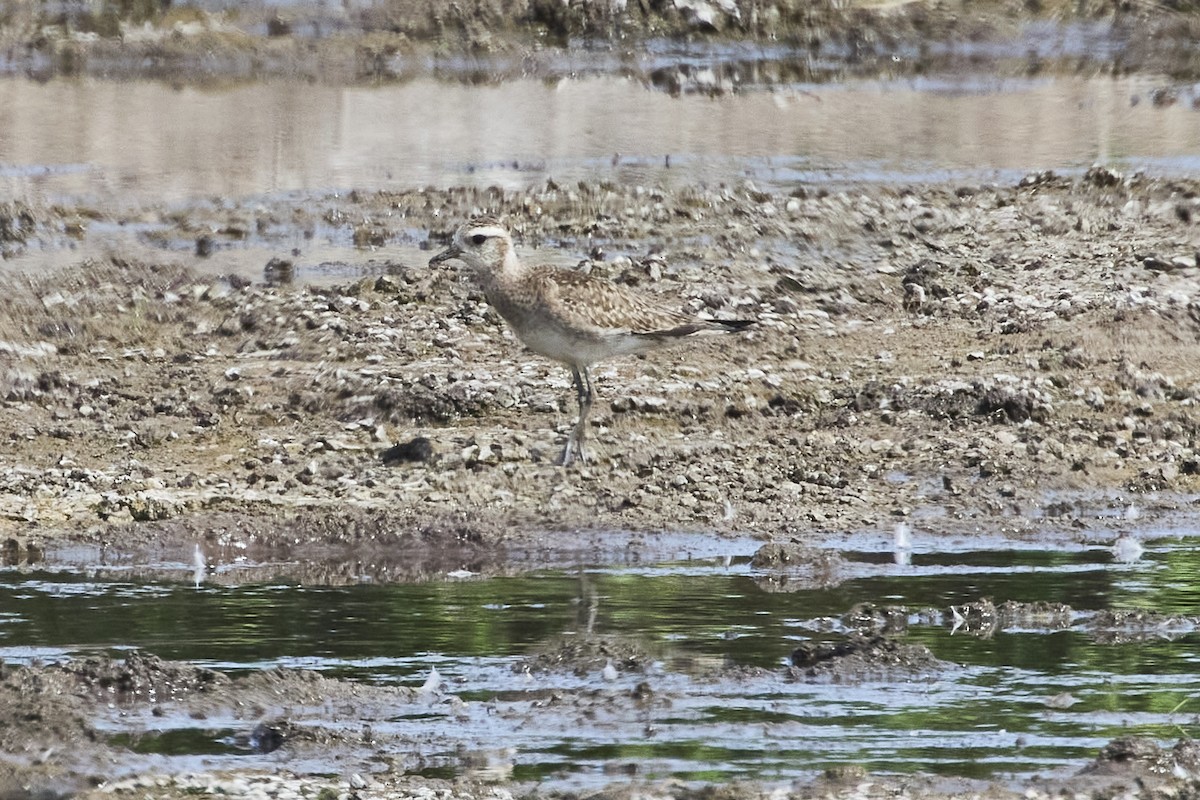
{"x": 99, "y": 722}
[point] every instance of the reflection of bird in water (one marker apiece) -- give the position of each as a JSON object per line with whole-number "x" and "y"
{"x": 570, "y": 317}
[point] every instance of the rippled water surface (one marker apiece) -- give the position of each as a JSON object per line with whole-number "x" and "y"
{"x": 1022, "y": 699}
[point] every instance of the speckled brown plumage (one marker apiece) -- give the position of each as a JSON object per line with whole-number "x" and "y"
{"x": 568, "y": 316}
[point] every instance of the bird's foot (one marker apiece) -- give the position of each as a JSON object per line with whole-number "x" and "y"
{"x": 573, "y": 452}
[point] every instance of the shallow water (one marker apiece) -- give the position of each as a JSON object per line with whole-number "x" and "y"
{"x": 127, "y": 144}
{"x": 707, "y": 621}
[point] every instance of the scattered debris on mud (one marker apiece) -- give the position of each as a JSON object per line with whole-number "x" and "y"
{"x": 143, "y": 393}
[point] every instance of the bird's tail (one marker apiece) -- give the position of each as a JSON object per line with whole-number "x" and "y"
{"x": 699, "y": 326}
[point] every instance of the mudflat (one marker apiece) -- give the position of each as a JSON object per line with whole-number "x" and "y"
{"x": 973, "y": 347}
{"x": 984, "y": 349}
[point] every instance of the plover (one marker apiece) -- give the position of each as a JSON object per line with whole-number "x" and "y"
{"x": 568, "y": 316}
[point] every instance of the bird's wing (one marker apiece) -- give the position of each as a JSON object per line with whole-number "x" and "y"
{"x": 584, "y": 302}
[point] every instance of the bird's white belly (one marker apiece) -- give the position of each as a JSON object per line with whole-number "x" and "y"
{"x": 576, "y": 348}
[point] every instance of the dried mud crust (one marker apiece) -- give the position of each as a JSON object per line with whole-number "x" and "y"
{"x": 971, "y": 348}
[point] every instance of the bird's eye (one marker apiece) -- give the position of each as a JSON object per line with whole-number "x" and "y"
{"x": 478, "y": 238}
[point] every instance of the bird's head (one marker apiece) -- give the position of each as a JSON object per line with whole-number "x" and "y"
{"x": 482, "y": 243}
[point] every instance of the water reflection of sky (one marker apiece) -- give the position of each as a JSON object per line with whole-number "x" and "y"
{"x": 130, "y": 142}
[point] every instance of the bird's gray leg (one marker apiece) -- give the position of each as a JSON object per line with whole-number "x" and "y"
{"x": 582, "y": 382}
{"x": 585, "y": 408}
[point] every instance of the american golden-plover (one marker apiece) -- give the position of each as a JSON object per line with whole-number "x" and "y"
{"x": 568, "y": 316}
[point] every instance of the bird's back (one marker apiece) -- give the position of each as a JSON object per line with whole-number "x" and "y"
{"x": 580, "y": 319}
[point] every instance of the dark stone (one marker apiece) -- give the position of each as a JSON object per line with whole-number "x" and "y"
{"x": 266, "y": 738}
{"x": 418, "y": 450}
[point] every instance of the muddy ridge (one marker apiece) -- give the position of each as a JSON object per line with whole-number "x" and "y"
{"x": 489, "y": 40}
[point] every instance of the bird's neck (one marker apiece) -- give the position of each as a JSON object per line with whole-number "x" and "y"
{"x": 510, "y": 269}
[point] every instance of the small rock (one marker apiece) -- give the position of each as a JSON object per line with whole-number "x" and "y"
{"x": 266, "y": 738}
{"x": 417, "y": 450}
{"x": 279, "y": 271}
{"x": 708, "y": 15}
